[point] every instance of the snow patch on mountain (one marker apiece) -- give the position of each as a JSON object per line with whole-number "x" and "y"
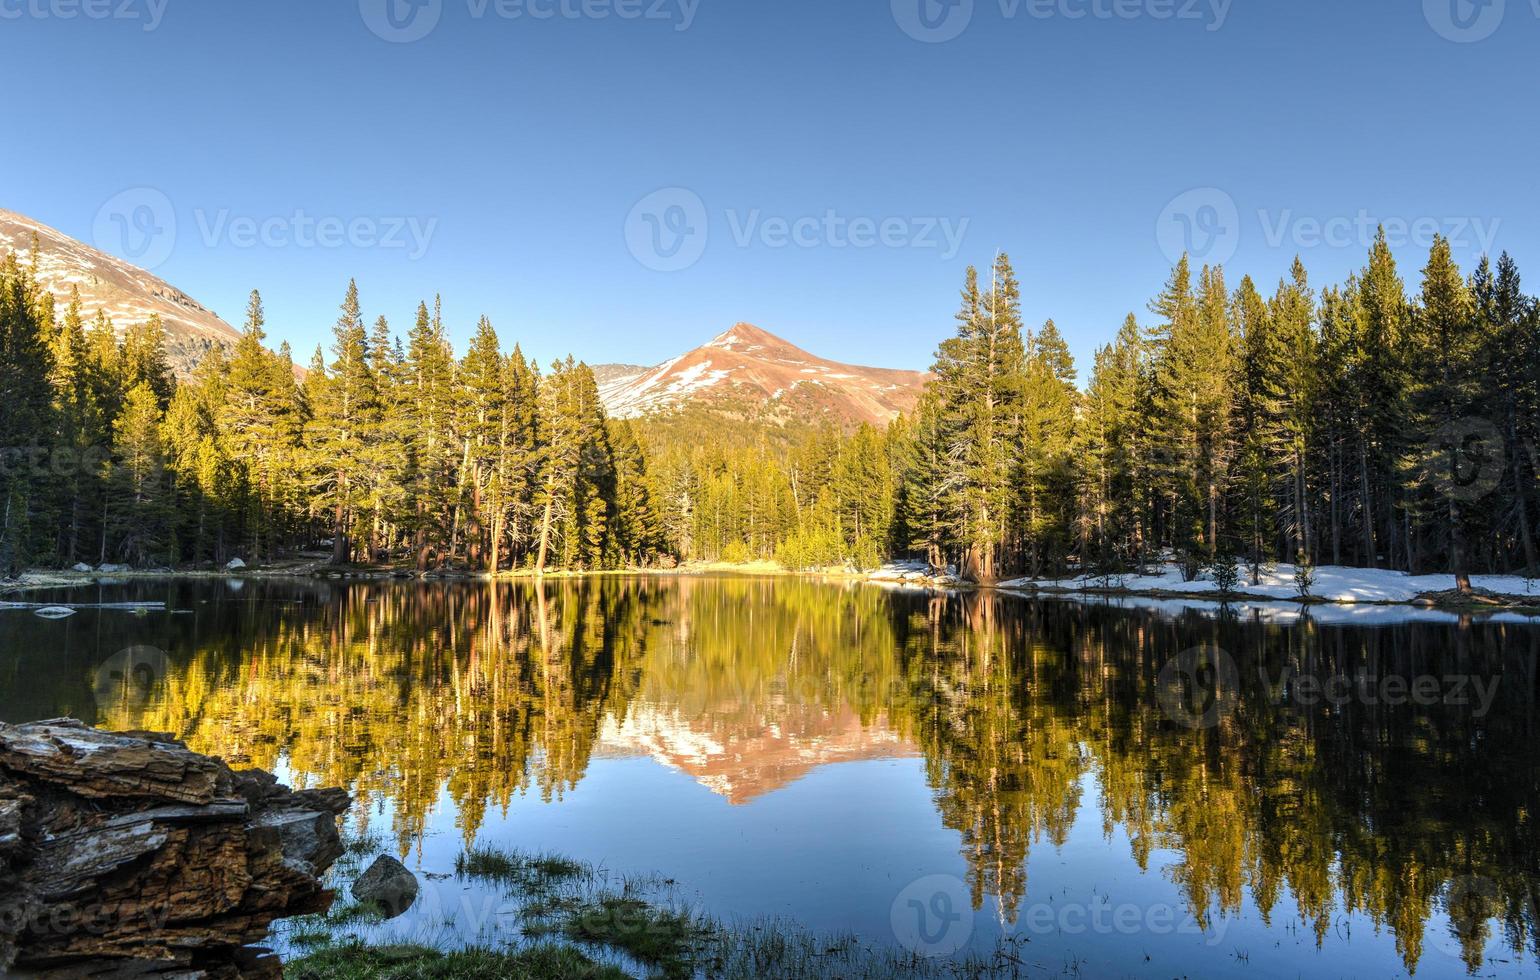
{"x": 127, "y": 294}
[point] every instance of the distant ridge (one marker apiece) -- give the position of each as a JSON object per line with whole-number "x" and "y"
{"x": 128, "y": 294}
{"x": 750, "y": 367}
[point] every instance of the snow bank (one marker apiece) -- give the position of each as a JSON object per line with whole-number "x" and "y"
{"x": 1333, "y": 583}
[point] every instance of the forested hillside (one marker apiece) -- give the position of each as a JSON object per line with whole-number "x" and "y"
{"x": 1366, "y": 423}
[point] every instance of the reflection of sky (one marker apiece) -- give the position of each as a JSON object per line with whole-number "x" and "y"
{"x": 833, "y": 851}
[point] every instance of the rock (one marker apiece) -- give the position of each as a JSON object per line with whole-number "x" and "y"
{"x": 157, "y": 861}
{"x": 387, "y": 884}
{"x": 111, "y": 569}
{"x": 234, "y": 565}
{"x": 80, "y": 566}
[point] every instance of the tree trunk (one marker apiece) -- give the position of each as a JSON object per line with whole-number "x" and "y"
{"x": 545, "y": 537}
{"x": 1366, "y": 504}
{"x": 494, "y": 553}
{"x": 1457, "y": 548}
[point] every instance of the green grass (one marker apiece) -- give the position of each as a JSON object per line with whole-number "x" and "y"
{"x": 572, "y": 920}
{"x": 664, "y": 939}
{"x": 518, "y": 870}
{"x": 359, "y": 962}
{"x": 353, "y": 913}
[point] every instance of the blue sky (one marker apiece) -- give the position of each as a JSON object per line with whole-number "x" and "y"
{"x": 824, "y": 173}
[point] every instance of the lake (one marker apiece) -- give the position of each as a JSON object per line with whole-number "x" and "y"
{"x": 1118, "y": 789}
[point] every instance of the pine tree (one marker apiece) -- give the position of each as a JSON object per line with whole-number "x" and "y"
{"x": 576, "y": 472}
{"x": 82, "y": 434}
{"x": 346, "y": 416}
{"x": 1378, "y": 381}
{"x": 1444, "y": 342}
{"x": 255, "y": 422}
{"x": 428, "y": 403}
{"x": 1511, "y": 353}
{"x": 979, "y": 378}
{"x": 139, "y": 512}
{"x": 25, "y": 365}
{"x": 1045, "y": 430}
{"x": 1106, "y": 449}
{"x": 486, "y": 430}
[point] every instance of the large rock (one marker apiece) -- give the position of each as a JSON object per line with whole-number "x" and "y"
{"x": 129, "y": 855}
{"x": 388, "y": 885}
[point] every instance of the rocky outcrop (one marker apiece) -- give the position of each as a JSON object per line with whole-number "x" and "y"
{"x": 129, "y": 855}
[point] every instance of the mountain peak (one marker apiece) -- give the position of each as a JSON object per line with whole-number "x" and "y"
{"x": 747, "y": 367}
{"x": 747, "y": 337}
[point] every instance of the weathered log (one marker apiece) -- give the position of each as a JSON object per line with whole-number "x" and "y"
{"x": 127, "y": 855}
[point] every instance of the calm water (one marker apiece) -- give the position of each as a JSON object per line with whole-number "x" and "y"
{"x": 832, "y": 753}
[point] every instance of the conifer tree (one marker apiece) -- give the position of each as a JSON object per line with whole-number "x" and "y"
{"x": 255, "y": 421}
{"x": 25, "y": 365}
{"x": 138, "y": 511}
{"x": 979, "y": 375}
{"x": 1045, "y": 429}
{"x": 346, "y": 416}
{"x": 1444, "y": 342}
{"x": 82, "y": 436}
{"x": 1105, "y": 448}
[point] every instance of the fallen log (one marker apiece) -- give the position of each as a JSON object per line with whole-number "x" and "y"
{"x": 127, "y": 855}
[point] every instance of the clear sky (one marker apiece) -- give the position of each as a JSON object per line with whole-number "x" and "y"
{"x": 510, "y": 157}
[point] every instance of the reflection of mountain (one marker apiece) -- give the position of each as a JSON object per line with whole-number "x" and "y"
{"x": 743, "y": 764}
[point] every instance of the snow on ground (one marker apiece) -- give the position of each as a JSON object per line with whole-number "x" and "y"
{"x": 1332, "y": 583}
{"x": 1282, "y": 613}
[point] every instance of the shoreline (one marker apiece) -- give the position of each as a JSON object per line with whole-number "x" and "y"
{"x": 894, "y": 575}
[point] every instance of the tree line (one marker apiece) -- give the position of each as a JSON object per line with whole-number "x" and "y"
{"x": 389, "y": 450}
{"x": 1362, "y": 424}
{"x": 1366, "y": 423}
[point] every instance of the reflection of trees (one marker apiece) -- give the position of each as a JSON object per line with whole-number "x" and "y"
{"x": 483, "y": 692}
{"x": 1005, "y": 764}
{"x": 480, "y": 692}
{"x": 1389, "y": 811}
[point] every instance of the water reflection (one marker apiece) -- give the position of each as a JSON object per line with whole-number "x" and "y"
{"x": 1025, "y": 715}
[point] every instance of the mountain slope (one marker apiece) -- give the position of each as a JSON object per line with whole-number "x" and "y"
{"x": 749, "y": 369}
{"x": 129, "y": 295}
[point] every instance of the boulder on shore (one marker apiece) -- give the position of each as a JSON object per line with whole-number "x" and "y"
{"x": 129, "y": 855}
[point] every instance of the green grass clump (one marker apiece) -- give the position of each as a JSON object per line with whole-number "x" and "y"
{"x": 519, "y": 870}
{"x": 359, "y": 962}
{"x": 660, "y": 938}
{"x": 353, "y": 913}
{"x": 362, "y": 845}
